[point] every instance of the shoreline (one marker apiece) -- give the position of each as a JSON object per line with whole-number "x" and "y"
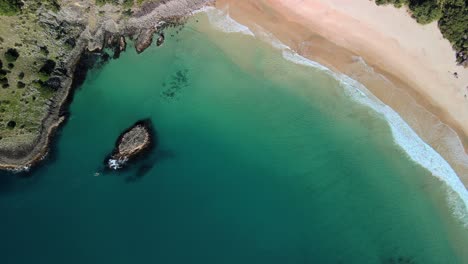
{"x": 312, "y": 40}
{"x": 272, "y": 15}
{"x": 93, "y": 38}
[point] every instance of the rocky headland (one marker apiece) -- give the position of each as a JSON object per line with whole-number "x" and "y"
{"x": 65, "y": 37}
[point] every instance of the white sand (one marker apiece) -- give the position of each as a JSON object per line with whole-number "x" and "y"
{"x": 389, "y": 38}
{"x": 416, "y": 59}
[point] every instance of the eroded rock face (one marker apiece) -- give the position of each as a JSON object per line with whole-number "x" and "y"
{"x": 122, "y": 43}
{"x": 144, "y": 39}
{"x": 160, "y": 40}
{"x": 133, "y": 142}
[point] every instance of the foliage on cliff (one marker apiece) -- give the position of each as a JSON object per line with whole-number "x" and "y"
{"x": 124, "y": 3}
{"x": 452, "y": 16}
{"x": 10, "y": 7}
{"x": 13, "y": 7}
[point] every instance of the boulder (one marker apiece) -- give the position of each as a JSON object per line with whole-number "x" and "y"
{"x": 122, "y": 43}
{"x": 160, "y": 40}
{"x": 144, "y": 39}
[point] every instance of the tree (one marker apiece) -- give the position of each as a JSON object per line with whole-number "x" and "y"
{"x": 10, "y": 7}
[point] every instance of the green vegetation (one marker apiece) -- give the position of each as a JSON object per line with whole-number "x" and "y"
{"x": 10, "y": 7}
{"x": 11, "y": 124}
{"x": 34, "y": 5}
{"x": 11, "y": 55}
{"x": 127, "y": 13}
{"x": 103, "y": 2}
{"x": 452, "y": 16}
{"x": 140, "y": 2}
{"x": 125, "y": 3}
{"x": 27, "y": 49}
{"x": 13, "y": 7}
{"x": 4, "y": 80}
{"x": 48, "y": 67}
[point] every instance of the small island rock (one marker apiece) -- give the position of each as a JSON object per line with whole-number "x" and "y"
{"x": 131, "y": 143}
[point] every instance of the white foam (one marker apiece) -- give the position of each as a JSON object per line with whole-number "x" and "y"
{"x": 116, "y": 164}
{"x": 403, "y": 135}
{"x": 222, "y": 21}
{"x": 453, "y": 141}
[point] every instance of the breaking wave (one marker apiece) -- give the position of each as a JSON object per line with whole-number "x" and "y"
{"x": 403, "y": 135}
{"x": 222, "y": 21}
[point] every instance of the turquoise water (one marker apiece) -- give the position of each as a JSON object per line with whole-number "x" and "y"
{"x": 259, "y": 161}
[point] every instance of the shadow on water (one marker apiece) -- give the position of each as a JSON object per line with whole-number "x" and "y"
{"x": 21, "y": 181}
{"x": 399, "y": 260}
{"x": 7, "y": 182}
{"x": 12, "y": 182}
{"x": 140, "y": 167}
{"x": 142, "y": 163}
{"x": 145, "y": 166}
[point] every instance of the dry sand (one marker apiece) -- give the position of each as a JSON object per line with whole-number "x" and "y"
{"x": 408, "y": 66}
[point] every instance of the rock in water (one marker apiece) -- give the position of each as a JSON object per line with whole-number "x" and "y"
{"x": 144, "y": 39}
{"x": 122, "y": 44}
{"x": 133, "y": 142}
{"x": 160, "y": 40}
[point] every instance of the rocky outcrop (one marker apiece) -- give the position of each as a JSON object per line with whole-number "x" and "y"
{"x": 78, "y": 27}
{"x": 133, "y": 142}
{"x": 122, "y": 44}
{"x": 144, "y": 39}
{"x": 160, "y": 39}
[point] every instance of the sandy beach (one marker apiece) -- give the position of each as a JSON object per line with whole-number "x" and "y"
{"x": 408, "y": 66}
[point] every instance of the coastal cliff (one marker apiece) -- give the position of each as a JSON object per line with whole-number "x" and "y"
{"x": 53, "y": 43}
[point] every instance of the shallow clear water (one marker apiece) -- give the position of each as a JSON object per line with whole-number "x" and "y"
{"x": 259, "y": 161}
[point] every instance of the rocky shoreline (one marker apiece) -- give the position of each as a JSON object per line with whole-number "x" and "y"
{"x": 109, "y": 31}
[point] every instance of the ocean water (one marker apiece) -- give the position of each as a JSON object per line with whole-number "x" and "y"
{"x": 260, "y": 159}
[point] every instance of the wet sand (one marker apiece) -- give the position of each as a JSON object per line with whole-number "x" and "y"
{"x": 384, "y": 49}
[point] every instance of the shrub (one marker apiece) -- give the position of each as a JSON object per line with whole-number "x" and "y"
{"x": 11, "y": 55}
{"x": 10, "y": 7}
{"x": 48, "y": 67}
{"x": 11, "y": 124}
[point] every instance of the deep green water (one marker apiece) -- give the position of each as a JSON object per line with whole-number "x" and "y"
{"x": 260, "y": 161}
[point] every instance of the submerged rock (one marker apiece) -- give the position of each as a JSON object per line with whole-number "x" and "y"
{"x": 133, "y": 142}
